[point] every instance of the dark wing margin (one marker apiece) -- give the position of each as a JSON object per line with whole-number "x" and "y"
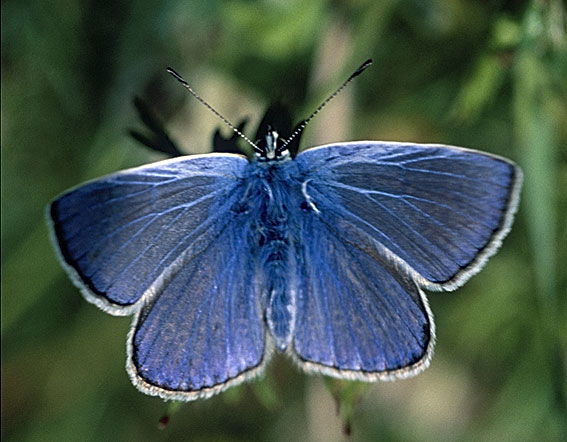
{"x": 441, "y": 211}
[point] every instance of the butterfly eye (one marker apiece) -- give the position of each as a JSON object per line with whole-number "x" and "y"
{"x": 305, "y": 207}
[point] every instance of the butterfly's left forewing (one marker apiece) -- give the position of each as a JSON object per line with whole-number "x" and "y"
{"x": 118, "y": 234}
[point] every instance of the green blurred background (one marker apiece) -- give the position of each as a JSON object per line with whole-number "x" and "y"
{"x": 489, "y": 75}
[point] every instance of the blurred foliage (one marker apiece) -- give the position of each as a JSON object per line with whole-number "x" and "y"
{"x": 486, "y": 75}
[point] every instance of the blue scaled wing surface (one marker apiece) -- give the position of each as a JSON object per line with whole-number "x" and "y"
{"x": 165, "y": 243}
{"x": 384, "y": 220}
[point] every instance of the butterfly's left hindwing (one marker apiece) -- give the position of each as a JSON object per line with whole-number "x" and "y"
{"x": 203, "y": 332}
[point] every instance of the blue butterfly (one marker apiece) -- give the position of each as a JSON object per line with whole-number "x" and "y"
{"x": 322, "y": 255}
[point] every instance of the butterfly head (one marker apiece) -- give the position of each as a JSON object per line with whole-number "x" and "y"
{"x": 271, "y": 148}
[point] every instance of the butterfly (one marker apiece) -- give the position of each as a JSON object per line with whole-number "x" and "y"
{"x": 322, "y": 255}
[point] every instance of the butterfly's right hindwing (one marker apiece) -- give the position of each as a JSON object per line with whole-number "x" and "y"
{"x": 358, "y": 316}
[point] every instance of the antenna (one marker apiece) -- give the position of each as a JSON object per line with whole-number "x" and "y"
{"x": 208, "y": 106}
{"x": 297, "y": 131}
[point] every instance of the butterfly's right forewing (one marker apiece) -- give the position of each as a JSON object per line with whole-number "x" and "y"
{"x": 441, "y": 211}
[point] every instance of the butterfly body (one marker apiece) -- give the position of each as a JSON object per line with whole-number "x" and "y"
{"x": 323, "y": 256}
{"x": 274, "y": 203}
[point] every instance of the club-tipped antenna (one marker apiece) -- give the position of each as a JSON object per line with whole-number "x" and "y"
{"x": 297, "y": 131}
{"x": 212, "y": 109}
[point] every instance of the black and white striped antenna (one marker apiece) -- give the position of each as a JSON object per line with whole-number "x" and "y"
{"x": 212, "y": 109}
{"x": 305, "y": 122}
{"x": 295, "y": 133}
